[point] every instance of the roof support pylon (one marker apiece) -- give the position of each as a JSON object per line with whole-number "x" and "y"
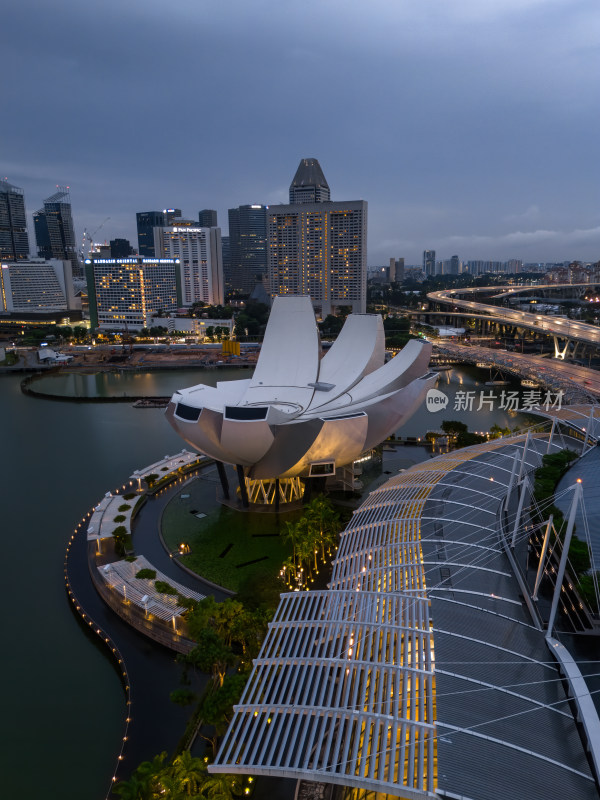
{"x": 540, "y": 571}
{"x": 563, "y": 558}
{"x": 524, "y": 490}
{"x": 551, "y": 435}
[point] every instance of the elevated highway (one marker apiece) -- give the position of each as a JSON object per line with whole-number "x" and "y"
{"x": 579, "y": 384}
{"x": 564, "y": 332}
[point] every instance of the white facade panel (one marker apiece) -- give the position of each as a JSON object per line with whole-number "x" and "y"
{"x": 201, "y": 261}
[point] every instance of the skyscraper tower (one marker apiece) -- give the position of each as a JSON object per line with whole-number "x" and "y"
{"x": 429, "y": 262}
{"x": 247, "y": 246}
{"x": 207, "y": 218}
{"x": 199, "y": 258}
{"x": 318, "y": 247}
{"x": 14, "y": 242}
{"x": 396, "y": 270}
{"x": 309, "y": 184}
{"x": 147, "y": 221}
{"x": 54, "y": 230}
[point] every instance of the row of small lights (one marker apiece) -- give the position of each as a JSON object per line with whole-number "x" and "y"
{"x": 102, "y": 634}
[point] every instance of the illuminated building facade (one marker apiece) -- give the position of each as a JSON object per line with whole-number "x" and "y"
{"x": 124, "y": 293}
{"x": 316, "y": 246}
{"x": 247, "y": 246}
{"x": 301, "y": 415}
{"x": 319, "y": 249}
{"x": 36, "y": 286}
{"x": 54, "y": 231}
{"x": 198, "y": 251}
{"x": 14, "y": 242}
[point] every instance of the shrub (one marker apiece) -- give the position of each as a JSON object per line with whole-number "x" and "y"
{"x": 587, "y": 590}
{"x": 182, "y": 697}
{"x": 146, "y": 573}
{"x": 124, "y": 507}
{"x": 120, "y": 518}
{"x": 186, "y": 602}
{"x": 164, "y": 588}
{"x": 129, "y": 496}
{"x": 120, "y": 537}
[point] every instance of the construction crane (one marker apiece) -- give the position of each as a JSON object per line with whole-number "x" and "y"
{"x": 89, "y": 239}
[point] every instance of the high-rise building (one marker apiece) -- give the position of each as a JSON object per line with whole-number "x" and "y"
{"x": 318, "y": 247}
{"x": 309, "y": 184}
{"x": 120, "y": 248}
{"x": 198, "y": 251}
{"x": 147, "y": 221}
{"x": 429, "y": 262}
{"x": 14, "y": 242}
{"x": 226, "y": 255}
{"x": 54, "y": 231}
{"x": 396, "y": 270}
{"x": 454, "y": 265}
{"x": 36, "y": 286}
{"x": 514, "y": 265}
{"x": 248, "y": 246}
{"x": 126, "y": 292}
{"x": 207, "y": 218}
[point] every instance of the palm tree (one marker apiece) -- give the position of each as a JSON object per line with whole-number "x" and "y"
{"x": 292, "y": 534}
{"x": 223, "y": 787}
{"x": 225, "y": 618}
{"x": 190, "y": 773}
{"x": 134, "y": 789}
{"x": 144, "y": 781}
{"x": 169, "y": 787}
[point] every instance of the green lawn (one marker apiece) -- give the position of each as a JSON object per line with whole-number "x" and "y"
{"x": 223, "y": 542}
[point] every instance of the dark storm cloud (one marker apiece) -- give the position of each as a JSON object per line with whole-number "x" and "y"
{"x": 469, "y": 127}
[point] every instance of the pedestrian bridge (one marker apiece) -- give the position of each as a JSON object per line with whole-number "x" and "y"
{"x": 420, "y": 672}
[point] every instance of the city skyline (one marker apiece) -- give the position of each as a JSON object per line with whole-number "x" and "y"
{"x": 468, "y": 128}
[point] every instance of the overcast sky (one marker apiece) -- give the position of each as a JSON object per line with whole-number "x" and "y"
{"x": 470, "y": 126}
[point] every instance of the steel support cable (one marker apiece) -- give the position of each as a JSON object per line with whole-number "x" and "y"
{"x": 477, "y": 562}
{"x": 470, "y": 728}
{"x": 591, "y": 551}
{"x": 492, "y": 536}
{"x": 499, "y": 687}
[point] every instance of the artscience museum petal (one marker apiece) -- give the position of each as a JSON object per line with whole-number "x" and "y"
{"x": 301, "y": 414}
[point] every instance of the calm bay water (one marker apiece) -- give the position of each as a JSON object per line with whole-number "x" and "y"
{"x": 134, "y": 384}
{"x": 62, "y": 703}
{"x": 165, "y": 382}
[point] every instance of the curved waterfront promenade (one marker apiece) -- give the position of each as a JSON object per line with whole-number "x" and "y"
{"x": 482, "y": 590}
{"x": 147, "y": 669}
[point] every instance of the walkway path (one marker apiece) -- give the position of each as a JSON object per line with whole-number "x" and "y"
{"x": 146, "y": 527}
{"x": 156, "y": 724}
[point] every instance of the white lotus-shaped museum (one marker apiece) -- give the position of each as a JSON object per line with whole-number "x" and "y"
{"x": 300, "y": 414}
